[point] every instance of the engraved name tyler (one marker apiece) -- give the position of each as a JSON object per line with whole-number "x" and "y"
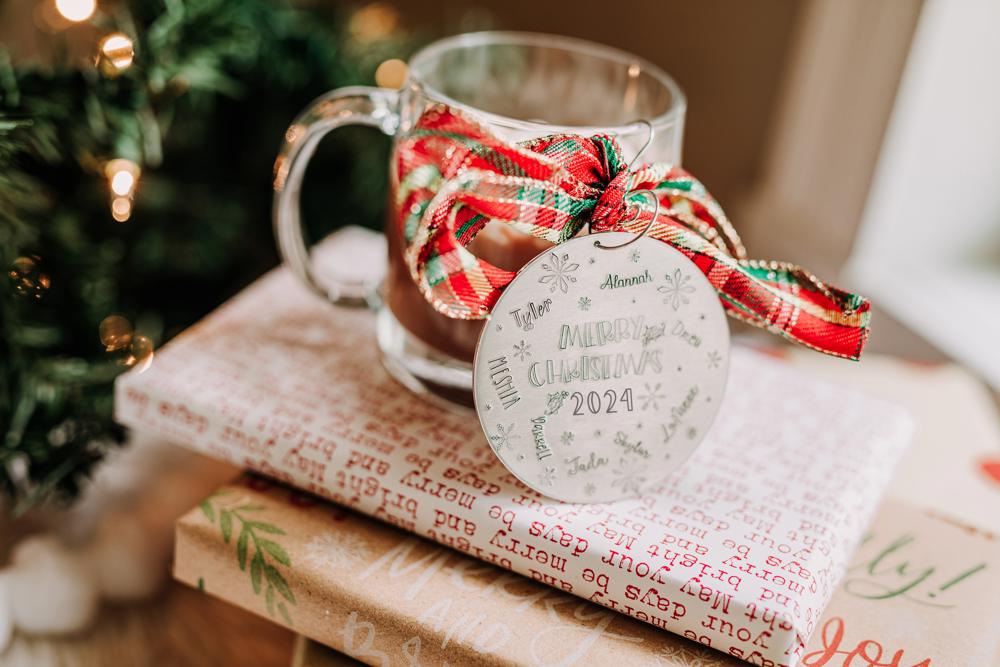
{"x": 614, "y": 281}
{"x": 525, "y": 317}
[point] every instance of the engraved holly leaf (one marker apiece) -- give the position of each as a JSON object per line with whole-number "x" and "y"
{"x": 676, "y": 289}
{"x": 559, "y": 269}
{"x": 554, "y": 402}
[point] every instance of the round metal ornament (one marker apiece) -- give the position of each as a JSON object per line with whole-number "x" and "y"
{"x": 602, "y": 367}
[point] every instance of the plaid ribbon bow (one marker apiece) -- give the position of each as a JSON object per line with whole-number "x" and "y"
{"x": 455, "y": 177}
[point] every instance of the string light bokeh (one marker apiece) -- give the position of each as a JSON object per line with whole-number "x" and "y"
{"x": 123, "y": 178}
{"x": 27, "y": 277}
{"x": 124, "y": 345}
{"x": 114, "y": 55}
{"x": 76, "y": 11}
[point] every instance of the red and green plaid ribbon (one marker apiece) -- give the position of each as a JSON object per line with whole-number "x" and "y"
{"x": 455, "y": 177}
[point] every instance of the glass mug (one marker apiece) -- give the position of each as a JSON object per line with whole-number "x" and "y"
{"x": 520, "y": 86}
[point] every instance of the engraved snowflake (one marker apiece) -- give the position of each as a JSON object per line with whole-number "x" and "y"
{"x": 634, "y": 255}
{"x": 583, "y": 303}
{"x": 559, "y": 269}
{"x": 676, "y": 290}
{"x": 591, "y": 260}
{"x": 566, "y": 438}
{"x": 589, "y": 489}
{"x": 652, "y": 397}
{"x": 334, "y": 551}
{"x": 714, "y": 359}
{"x": 548, "y": 477}
{"x": 630, "y": 475}
{"x": 692, "y": 433}
{"x": 504, "y": 437}
{"x": 522, "y": 350}
{"x": 487, "y": 406}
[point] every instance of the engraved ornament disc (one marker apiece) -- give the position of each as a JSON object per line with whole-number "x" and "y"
{"x": 600, "y": 370}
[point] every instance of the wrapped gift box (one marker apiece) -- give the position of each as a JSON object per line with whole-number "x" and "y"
{"x": 740, "y": 549}
{"x": 378, "y": 594}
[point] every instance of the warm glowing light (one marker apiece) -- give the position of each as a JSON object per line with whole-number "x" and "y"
{"x": 112, "y": 167}
{"x": 115, "y": 54}
{"x": 122, "y": 182}
{"x": 121, "y": 209}
{"x": 140, "y": 353}
{"x": 76, "y": 10}
{"x": 123, "y": 177}
{"x": 373, "y": 22}
{"x": 115, "y": 332}
{"x": 27, "y": 277}
{"x": 391, "y": 74}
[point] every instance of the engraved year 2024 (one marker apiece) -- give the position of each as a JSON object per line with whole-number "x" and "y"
{"x": 601, "y": 403}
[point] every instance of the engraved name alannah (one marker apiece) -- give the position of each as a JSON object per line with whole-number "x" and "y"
{"x": 614, "y": 281}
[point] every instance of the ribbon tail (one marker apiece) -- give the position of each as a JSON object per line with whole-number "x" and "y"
{"x": 779, "y": 297}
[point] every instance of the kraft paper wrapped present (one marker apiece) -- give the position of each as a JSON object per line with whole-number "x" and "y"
{"x": 742, "y": 547}
{"x": 921, "y": 590}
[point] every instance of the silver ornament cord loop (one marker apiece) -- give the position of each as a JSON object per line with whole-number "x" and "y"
{"x": 656, "y": 211}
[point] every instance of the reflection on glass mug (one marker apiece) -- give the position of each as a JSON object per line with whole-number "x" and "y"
{"x": 520, "y": 86}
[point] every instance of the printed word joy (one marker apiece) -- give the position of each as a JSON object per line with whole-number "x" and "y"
{"x": 866, "y": 653}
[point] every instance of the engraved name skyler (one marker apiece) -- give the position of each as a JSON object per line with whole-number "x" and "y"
{"x": 601, "y": 370}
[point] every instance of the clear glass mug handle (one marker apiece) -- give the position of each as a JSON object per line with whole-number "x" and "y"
{"x": 354, "y": 105}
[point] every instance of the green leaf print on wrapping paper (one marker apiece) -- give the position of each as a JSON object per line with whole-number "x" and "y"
{"x": 264, "y": 576}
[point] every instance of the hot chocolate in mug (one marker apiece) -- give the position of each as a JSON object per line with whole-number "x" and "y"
{"x": 520, "y": 86}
